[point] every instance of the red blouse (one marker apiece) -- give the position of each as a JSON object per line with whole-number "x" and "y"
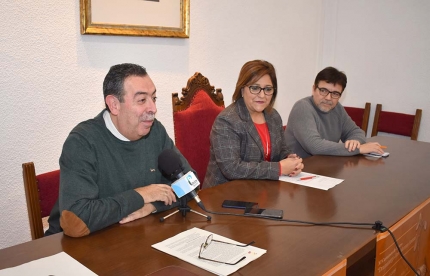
{"x": 263, "y": 131}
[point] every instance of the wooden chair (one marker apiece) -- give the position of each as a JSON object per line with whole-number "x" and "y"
{"x": 396, "y": 123}
{"x": 193, "y": 116}
{"x": 41, "y": 193}
{"x": 360, "y": 116}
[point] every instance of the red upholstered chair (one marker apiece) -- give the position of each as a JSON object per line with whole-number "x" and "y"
{"x": 193, "y": 116}
{"x": 41, "y": 192}
{"x": 397, "y": 123}
{"x": 360, "y": 116}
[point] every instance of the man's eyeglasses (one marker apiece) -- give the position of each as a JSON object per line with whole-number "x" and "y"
{"x": 255, "y": 89}
{"x": 209, "y": 240}
{"x": 334, "y": 94}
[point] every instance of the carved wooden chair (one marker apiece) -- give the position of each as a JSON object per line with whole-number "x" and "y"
{"x": 41, "y": 193}
{"x": 193, "y": 116}
{"x": 396, "y": 123}
{"x": 360, "y": 116}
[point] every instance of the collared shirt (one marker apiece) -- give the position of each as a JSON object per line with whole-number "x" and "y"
{"x": 112, "y": 128}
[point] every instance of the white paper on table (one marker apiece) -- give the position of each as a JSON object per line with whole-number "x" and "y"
{"x": 376, "y": 155}
{"x": 319, "y": 181}
{"x": 186, "y": 246}
{"x": 58, "y": 264}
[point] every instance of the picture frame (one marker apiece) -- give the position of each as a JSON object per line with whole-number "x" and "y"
{"x": 161, "y": 18}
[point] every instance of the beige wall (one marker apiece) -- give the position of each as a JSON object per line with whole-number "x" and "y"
{"x": 384, "y": 48}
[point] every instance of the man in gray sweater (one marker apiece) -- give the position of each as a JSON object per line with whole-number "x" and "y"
{"x": 109, "y": 165}
{"x": 319, "y": 125}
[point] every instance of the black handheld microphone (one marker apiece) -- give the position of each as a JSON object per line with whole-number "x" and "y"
{"x": 170, "y": 164}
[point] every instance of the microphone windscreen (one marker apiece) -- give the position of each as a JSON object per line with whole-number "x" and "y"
{"x": 169, "y": 163}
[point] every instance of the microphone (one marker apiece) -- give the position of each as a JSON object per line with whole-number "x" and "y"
{"x": 170, "y": 164}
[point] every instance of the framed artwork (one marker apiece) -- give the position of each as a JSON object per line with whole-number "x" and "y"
{"x": 166, "y": 18}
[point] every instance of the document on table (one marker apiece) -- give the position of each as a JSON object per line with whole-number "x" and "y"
{"x": 58, "y": 264}
{"x": 312, "y": 180}
{"x": 186, "y": 246}
{"x": 376, "y": 155}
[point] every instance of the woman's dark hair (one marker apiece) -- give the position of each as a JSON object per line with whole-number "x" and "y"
{"x": 250, "y": 73}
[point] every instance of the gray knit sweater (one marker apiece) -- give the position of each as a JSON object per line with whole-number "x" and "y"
{"x": 311, "y": 131}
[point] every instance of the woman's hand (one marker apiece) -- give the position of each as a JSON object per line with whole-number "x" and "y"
{"x": 292, "y": 165}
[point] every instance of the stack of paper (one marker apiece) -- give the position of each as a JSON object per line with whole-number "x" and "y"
{"x": 312, "y": 180}
{"x": 186, "y": 246}
{"x": 58, "y": 264}
{"x": 377, "y": 155}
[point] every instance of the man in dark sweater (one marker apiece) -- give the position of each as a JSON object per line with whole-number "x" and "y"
{"x": 319, "y": 125}
{"x": 109, "y": 165}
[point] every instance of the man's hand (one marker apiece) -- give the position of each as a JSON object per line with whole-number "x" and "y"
{"x": 371, "y": 147}
{"x": 292, "y": 165}
{"x": 157, "y": 192}
{"x": 351, "y": 145}
{"x": 147, "y": 209}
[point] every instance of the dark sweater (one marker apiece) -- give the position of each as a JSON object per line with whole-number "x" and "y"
{"x": 99, "y": 172}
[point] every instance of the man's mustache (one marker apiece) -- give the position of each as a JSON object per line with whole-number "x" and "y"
{"x": 148, "y": 117}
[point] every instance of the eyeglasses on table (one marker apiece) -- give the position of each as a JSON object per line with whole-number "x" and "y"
{"x": 208, "y": 242}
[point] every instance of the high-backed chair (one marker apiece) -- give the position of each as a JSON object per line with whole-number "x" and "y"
{"x": 360, "y": 116}
{"x": 396, "y": 123}
{"x": 193, "y": 116}
{"x": 41, "y": 193}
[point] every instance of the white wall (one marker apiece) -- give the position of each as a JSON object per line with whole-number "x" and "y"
{"x": 384, "y": 48}
{"x": 52, "y": 76}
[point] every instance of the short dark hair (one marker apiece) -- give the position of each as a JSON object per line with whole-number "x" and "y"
{"x": 331, "y": 75}
{"x": 253, "y": 71}
{"x": 113, "y": 83}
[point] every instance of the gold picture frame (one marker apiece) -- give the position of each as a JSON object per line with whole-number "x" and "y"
{"x": 112, "y": 21}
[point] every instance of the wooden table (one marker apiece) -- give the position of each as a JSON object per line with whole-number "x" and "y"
{"x": 385, "y": 189}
